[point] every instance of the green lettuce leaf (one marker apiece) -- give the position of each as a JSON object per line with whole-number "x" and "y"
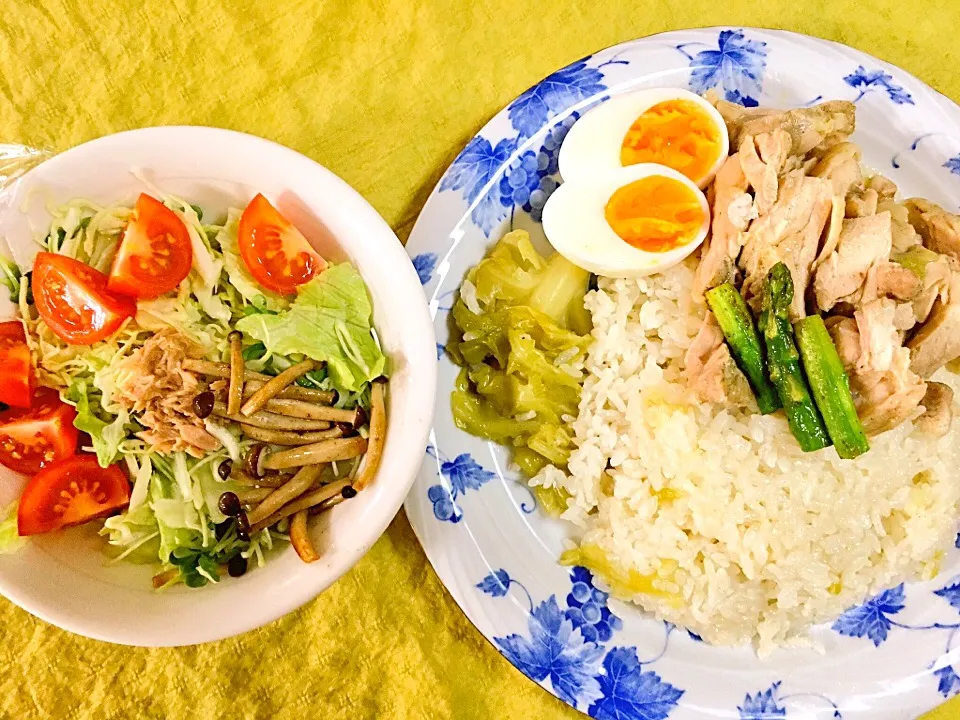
{"x": 105, "y": 434}
{"x": 329, "y": 321}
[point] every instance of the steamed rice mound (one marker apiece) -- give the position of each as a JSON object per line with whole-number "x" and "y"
{"x": 746, "y": 537}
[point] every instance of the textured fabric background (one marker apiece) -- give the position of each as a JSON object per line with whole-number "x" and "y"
{"x": 384, "y": 94}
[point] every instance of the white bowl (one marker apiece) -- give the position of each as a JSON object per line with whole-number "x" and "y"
{"x": 64, "y": 578}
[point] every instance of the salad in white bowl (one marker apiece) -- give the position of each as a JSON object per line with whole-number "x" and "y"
{"x": 192, "y": 382}
{"x": 226, "y": 379}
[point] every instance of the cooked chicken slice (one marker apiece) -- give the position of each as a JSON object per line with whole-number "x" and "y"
{"x": 821, "y": 126}
{"x": 937, "y": 341}
{"x": 903, "y": 234}
{"x": 894, "y": 281}
{"x": 762, "y": 159}
{"x": 841, "y": 166}
{"x": 886, "y": 399}
{"x": 885, "y": 188}
{"x": 879, "y": 339}
{"x": 904, "y": 319}
{"x": 712, "y": 372}
{"x": 846, "y": 336}
{"x": 938, "y": 410}
{"x": 151, "y": 381}
{"x": 862, "y": 202}
{"x": 831, "y": 235}
{"x": 935, "y": 272}
{"x": 709, "y": 338}
{"x": 863, "y": 243}
{"x": 732, "y": 213}
{"x": 883, "y": 398}
{"x": 789, "y": 233}
{"x": 939, "y": 229}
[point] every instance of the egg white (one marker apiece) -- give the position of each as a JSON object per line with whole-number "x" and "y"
{"x": 593, "y": 144}
{"x": 575, "y": 224}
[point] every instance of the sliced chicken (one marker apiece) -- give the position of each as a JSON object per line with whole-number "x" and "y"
{"x": 892, "y": 280}
{"x": 903, "y": 235}
{"x": 732, "y": 213}
{"x": 935, "y": 272}
{"x": 937, "y": 341}
{"x": 863, "y": 243}
{"x": 939, "y": 229}
{"x": 885, "y": 188}
{"x": 762, "y": 159}
{"x": 840, "y": 165}
{"x": 821, "y": 126}
{"x": 904, "y": 319}
{"x": 831, "y": 235}
{"x": 846, "y": 337}
{"x": 938, "y": 410}
{"x": 862, "y": 202}
{"x": 884, "y": 399}
{"x": 789, "y": 233}
{"x": 712, "y": 372}
{"x": 879, "y": 339}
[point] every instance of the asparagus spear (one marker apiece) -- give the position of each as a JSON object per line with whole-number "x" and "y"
{"x": 830, "y": 386}
{"x": 784, "y": 362}
{"x": 737, "y": 326}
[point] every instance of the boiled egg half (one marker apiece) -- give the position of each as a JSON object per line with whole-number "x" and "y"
{"x": 668, "y": 126}
{"x": 626, "y": 222}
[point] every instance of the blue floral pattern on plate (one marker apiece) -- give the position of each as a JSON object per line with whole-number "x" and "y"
{"x": 770, "y": 704}
{"x": 870, "y": 80}
{"x": 424, "y": 264}
{"x": 873, "y": 620}
{"x": 555, "y": 93}
{"x": 611, "y": 686}
{"x": 609, "y": 660}
{"x": 463, "y": 473}
{"x": 736, "y": 67}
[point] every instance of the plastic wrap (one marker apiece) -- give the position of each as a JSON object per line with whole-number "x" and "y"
{"x": 15, "y": 249}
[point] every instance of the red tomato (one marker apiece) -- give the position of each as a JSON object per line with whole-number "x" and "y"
{"x": 70, "y": 492}
{"x": 155, "y": 254}
{"x": 33, "y": 438}
{"x": 16, "y": 371}
{"x": 274, "y": 251}
{"x": 73, "y": 299}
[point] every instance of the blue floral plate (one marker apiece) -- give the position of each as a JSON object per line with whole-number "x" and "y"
{"x": 891, "y": 658}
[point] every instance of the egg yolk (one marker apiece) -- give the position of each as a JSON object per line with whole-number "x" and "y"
{"x": 655, "y": 213}
{"x": 676, "y": 133}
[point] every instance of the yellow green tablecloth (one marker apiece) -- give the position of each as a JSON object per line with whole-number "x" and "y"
{"x": 384, "y": 94}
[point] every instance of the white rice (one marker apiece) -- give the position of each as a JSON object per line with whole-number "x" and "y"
{"x": 767, "y": 540}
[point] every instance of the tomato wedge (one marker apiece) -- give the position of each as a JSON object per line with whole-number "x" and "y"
{"x": 16, "y": 370}
{"x": 70, "y": 492}
{"x": 155, "y": 253}
{"x": 73, "y": 299}
{"x": 274, "y": 251}
{"x": 33, "y": 438}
